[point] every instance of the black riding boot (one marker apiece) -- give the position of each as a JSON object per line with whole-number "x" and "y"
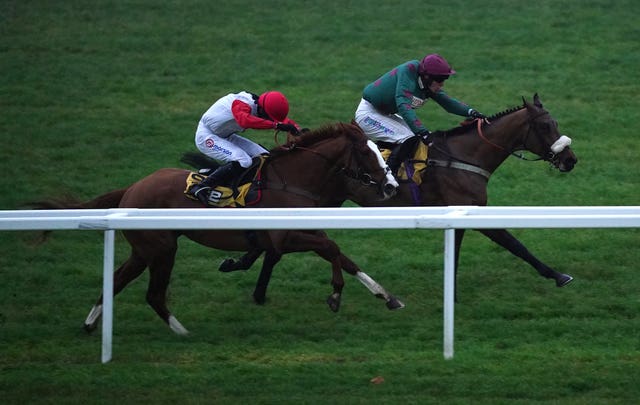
{"x": 221, "y": 175}
{"x": 401, "y": 153}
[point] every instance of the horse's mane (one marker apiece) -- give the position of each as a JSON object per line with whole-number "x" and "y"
{"x": 309, "y": 138}
{"x": 461, "y": 129}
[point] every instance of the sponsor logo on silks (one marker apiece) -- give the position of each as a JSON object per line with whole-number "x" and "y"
{"x": 215, "y": 196}
{"x": 209, "y": 143}
{"x": 223, "y": 150}
{"x": 377, "y": 125}
{"x": 416, "y": 102}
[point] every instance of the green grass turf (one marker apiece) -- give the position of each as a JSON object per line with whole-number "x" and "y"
{"x": 95, "y": 95}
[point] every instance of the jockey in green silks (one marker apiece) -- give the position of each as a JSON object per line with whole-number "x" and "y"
{"x": 387, "y": 110}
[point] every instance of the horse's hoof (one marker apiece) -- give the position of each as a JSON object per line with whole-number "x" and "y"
{"x": 334, "y": 302}
{"x": 259, "y": 299}
{"x": 89, "y": 328}
{"x": 394, "y": 303}
{"x": 227, "y": 265}
{"x": 563, "y": 279}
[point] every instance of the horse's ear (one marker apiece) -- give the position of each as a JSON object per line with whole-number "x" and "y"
{"x": 524, "y": 102}
{"x": 536, "y": 100}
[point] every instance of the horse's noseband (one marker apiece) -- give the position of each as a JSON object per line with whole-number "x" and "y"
{"x": 365, "y": 178}
{"x": 558, "y": 146}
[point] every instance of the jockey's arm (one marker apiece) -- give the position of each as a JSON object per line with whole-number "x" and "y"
{"x": 451, "y": 105}
{"x": 242, "y": 114}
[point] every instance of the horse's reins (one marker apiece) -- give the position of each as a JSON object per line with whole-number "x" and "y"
{"x": 512, "y": 153}
{"x": 459, "y": 164}
{"x": 479, "y": 121}
{"x": 456, "y": 163}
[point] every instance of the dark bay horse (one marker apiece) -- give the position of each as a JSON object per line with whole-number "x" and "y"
{"x": 310, "y": 171}
{"x": 460, "y": 163}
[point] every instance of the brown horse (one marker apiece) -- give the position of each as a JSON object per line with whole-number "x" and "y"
{"x": 310, "y": 171}
{"x": 460, "y": 164}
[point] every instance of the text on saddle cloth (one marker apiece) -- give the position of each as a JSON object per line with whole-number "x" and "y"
{"x": 224, "y": 196}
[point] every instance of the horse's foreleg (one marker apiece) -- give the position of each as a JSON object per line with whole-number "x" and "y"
{"x": 243, "y": 263}
{"x": 376, "y": 289}
{"x": 160, "y": 274}
{"x": 127, "y": 272}
{"x": 338, "y": 284}
{"x": 459, "y": 236}
{"x": 318, "y": 242}
{"x": 503, "y": 238}
{"x": 271, "y": 257}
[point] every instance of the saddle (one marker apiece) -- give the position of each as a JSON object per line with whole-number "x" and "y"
{"x": 410, "y": 170}
{"x": 243, "y": 191}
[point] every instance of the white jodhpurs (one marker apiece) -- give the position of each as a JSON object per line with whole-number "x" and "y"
{"x": 381, "y": 127}
{"x": 234, "y": 148}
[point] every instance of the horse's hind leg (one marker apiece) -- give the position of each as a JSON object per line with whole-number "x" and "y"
{"x": 503, "y": 238}
{"x": 243, "y": 263}
{"x": 127, "y": 272}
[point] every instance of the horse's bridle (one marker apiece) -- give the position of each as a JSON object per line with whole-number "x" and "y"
{"x": 363, "y": 177}
{"x": 551, "y": 156}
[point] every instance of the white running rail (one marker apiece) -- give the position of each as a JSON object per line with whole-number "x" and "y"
{"x": 446, "y": 218}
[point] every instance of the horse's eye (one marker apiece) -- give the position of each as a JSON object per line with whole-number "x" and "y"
{"x": 544, "y": 127}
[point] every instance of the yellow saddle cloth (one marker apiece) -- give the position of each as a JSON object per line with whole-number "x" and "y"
{"x": 246, "y": 194}
{"x": 418, "y": 163}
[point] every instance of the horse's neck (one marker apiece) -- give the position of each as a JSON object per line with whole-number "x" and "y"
{"x": 310, "y": 173}
{"x": 488, "y": 146}
{"x": 509, "y": 130}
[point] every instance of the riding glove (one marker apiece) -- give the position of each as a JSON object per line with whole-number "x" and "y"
{"x": 476, "y": 114}
{"x": 425, "y": 135}
{"x": 287, "y": 128}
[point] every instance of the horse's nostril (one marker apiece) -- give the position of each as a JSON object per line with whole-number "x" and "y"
{"x": 567, "y": 165}
{"x": 390, "y": 189}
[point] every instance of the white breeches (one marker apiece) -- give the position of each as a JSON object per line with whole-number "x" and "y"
{"x": 380, "y": 127}
{"x": 233, "y": 148}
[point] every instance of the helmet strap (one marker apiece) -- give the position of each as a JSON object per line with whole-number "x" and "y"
{"x": 425, "y": 83}
{"x": 421, "y": 83}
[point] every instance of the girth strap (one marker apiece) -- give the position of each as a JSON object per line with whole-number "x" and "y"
{"x": 459, "y": 165}
{"x": 280, "y": 186}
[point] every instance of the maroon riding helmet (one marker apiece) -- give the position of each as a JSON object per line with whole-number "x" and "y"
{"x": 435, "y": 65}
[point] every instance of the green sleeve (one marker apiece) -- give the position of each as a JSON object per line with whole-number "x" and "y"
{"x": 451, "y": 105}
{"x": 406, "y": 89}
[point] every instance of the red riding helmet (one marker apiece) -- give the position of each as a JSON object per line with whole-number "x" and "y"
{"x": 435, "y": 65}
{"x": 275, "y": 104}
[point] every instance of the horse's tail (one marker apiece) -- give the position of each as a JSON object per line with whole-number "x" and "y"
{"x": 198, "y": 160}
{"x": 108, "y": 200}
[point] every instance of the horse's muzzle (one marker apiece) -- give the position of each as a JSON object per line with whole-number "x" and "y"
{"x": 389, "y": 190}
{"x": 565, "y": 160}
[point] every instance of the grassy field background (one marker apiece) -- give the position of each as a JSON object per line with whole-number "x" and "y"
{"x": 95, "y": 95}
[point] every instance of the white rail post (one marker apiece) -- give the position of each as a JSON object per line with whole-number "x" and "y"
{"x": 449, "y": 290}
{"x": 107, "y": 295}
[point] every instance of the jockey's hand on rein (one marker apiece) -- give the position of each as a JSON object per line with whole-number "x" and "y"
{"x": 476, "y": 114}
{"x": 425, "y": 135}
{"x": 287, "y": 128}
